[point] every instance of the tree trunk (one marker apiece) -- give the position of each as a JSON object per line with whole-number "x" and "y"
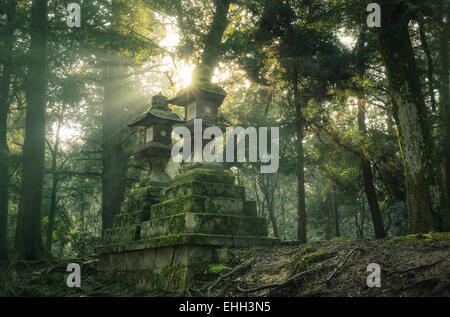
{"x": 369, "y": 188}
{"x": 29, "y": 244}
{"x": 213, "y": 39}
{"x": 271, "y": 205}
{"x": 336, "y": 216}
{"x": 424, "y": 194}
{"x": 444, "y": 114}
{"x": 301, "y": 207}
{"x": 360, "y": 224}
{"x": 283, "y": 216}
{"x": 82, "y": 226}
{"x": 5, "y": 82}
{"x": 114, "y": 159}
{"x": 4, "y": 170}
{"x": 430, "y": 69}
{"x": 268, "y": 186}
{"x": 52, "y": 213}
{"x": 273, "y": 220}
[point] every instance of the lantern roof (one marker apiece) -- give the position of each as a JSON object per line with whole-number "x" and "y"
{"x": 159, "y": 112}
{"x": 201, "y": 87}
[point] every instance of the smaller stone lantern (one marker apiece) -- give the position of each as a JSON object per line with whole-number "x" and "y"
{"x": 157, "y": 124}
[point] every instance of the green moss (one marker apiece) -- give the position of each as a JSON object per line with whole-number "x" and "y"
{"x": 316, "y": 292}
{"x": 204, "y": 175}
{"x": 208, "y": 223}
{"x": 311, "y": 259}
{"x": 204, "y": 188}
{"x": 216, "y": 268}
{"x": 188, "y": 239}
{"x": 315, "y": 257}
{"x": 339, "y": 239}
{"x": 173, "y": 277}
{"x": 178, "y": 205}
{"x": 309, "y": 249}
{"x": 422, "y": 236}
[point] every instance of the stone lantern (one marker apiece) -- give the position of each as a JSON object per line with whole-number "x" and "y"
{"x": 157, "y": 124}
{"x": 201, "y": 100}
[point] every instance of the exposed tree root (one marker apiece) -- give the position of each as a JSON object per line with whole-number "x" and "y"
{"x": 277, "y": 285}
{"x": 209, "y": 287}
{"x": 342, "y": 264}
{"x": 415, "y": 267}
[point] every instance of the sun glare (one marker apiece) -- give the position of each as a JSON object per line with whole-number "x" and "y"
{"x": 182, "y": 71}
{"x": 68, "y": 133}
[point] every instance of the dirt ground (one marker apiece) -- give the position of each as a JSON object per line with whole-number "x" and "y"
{"x": 415, "y": 265}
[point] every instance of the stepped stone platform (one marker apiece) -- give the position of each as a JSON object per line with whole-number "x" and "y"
{"x": 165, "y": 234}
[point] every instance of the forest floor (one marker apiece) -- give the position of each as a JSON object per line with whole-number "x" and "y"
{"x": 414, "y": 265}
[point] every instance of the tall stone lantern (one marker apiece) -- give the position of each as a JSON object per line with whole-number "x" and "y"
{"x": 201, "y": 100}
{"x": 155, "y": 151}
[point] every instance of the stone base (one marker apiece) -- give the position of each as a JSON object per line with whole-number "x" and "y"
{"x": 170, "y": 263}
{"x": 169, "y": 268}
{"x": 162, "y": 241}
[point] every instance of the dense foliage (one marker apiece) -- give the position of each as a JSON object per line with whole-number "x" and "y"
{"x": 363, "y": 112}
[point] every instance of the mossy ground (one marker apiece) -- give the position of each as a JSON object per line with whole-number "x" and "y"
{"x": 414, "y": 265}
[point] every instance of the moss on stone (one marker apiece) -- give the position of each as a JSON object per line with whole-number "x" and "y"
{"x": 188, "y": 239}
{"x": 173, "y": 277}
{"x": 204, "y": 188}
{"x": 204, "y": 175}
{"x": 208, "y": 223}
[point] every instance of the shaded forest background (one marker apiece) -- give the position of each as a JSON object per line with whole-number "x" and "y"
{"x": 363, "y": 112}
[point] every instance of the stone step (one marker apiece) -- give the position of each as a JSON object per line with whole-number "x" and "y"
{"x": 140, "y": 198}
{"x": 131, "y": 218}
{"x": 250, "y": 208}
{"x": 203, "y": 189}
{"x": 121, "y": 234}
{"x": 204, "y": 175}
{"x": 136, "y": 205}
{"x": 205, "y": 224}
{"x": 189, "y": 239}
{"x": 198, "y": 204}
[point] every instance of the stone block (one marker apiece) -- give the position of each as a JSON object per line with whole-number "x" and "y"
{"x": 198, "y": 204}
{"x": 209, "y": 189}
{"x": 131, "y": 218}
{"x": 121, "y": 234}
{"x": 206, "y": 224}
{"x": 250, "y": 208}
{"x": 204, "y": 175}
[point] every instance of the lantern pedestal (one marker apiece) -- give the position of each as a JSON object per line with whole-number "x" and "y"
{"x": 156, "y": 155}
{"x": 199, "y": 217}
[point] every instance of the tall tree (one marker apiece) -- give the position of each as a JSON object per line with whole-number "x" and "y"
{"x": 301, "y": 207}
{"x": 55, "y": 179}
{"x": 369, "y": 187}
{"x": 114, "y": 158}
{"x": 213, "y": 40}
{"x": 444, "y": 102}
{"x": 29, "y": 244}
{"x": 424, "y": 193}
{"x": 7, "y": 39}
